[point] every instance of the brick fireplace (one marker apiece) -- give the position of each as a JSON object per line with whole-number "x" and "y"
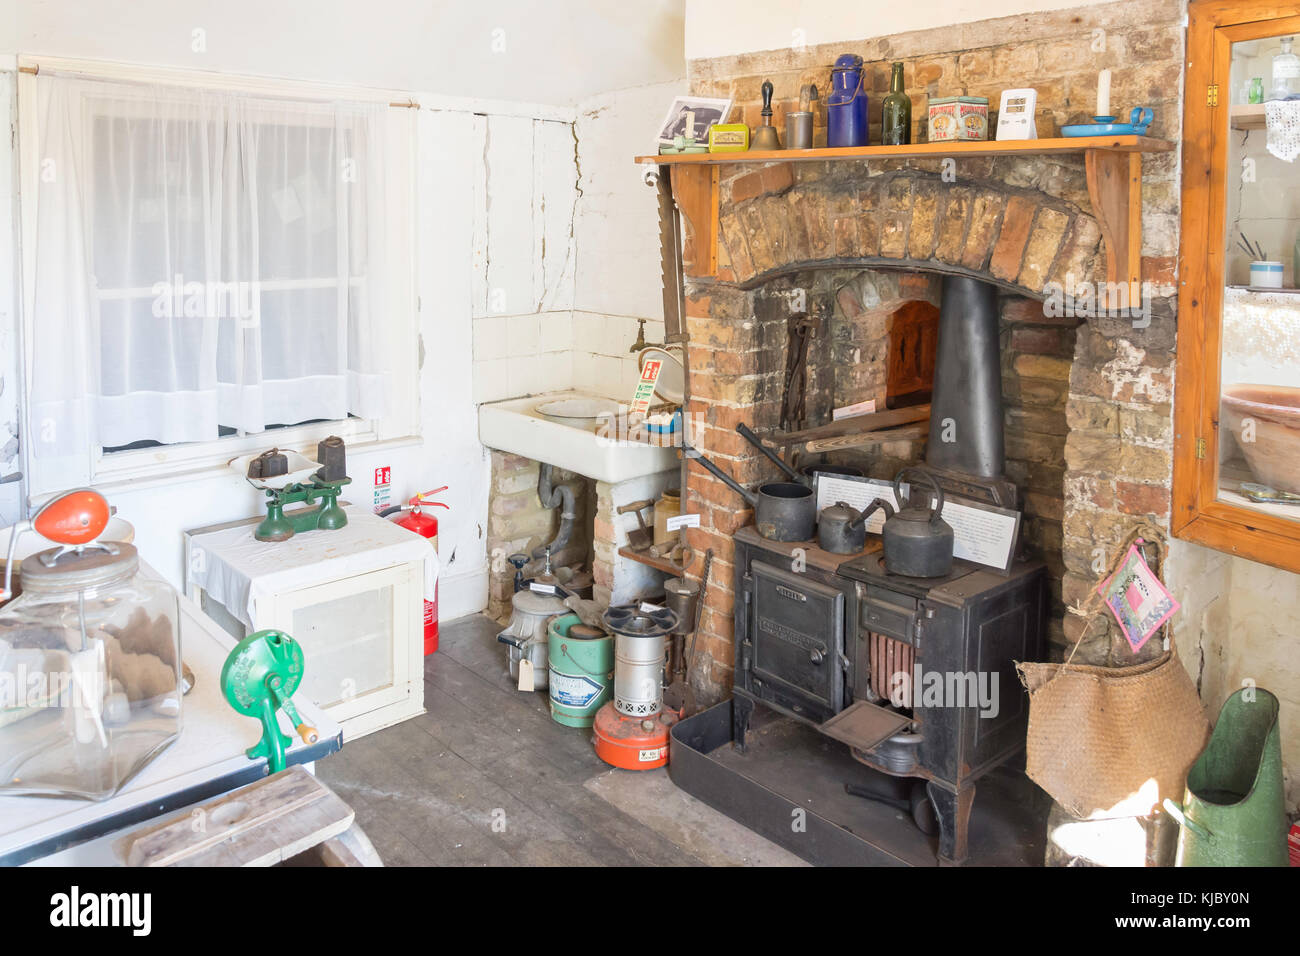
{"x": 1087, "y": 398}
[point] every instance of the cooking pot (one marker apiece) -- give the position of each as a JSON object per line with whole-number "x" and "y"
{"x": 918, "y": 542}
{"x": 783, "y": 510}
{"x": 842, "y": 529}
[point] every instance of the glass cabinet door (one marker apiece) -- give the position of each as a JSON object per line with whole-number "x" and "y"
{"x": 1259, "y": 340}
{"x": 362, "y": 641}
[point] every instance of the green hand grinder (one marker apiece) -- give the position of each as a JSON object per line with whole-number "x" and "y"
{"x": 259, "y": 677}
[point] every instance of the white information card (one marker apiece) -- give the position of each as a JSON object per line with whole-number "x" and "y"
{"x": 983, "y": 534}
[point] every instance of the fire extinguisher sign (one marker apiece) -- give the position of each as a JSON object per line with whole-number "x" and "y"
{"x": 383, "y": 488}
{"x": 645, "y": 387}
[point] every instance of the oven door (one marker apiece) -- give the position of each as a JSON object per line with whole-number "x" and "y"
{"x": 797, "y": 634}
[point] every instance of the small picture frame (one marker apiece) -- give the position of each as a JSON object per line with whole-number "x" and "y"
{"x": 1016, "y": 114}
{"x": 704, "y": 111}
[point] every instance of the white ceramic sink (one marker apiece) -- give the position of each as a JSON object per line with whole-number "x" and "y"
{"x": 580, "y": 445}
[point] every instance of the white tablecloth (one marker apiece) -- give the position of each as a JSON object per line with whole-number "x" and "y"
{"x": 235, "y": 569}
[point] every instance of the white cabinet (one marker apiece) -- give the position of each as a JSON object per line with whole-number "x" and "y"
{"x": 353, "y": 598}
{"x": 363, "y": 640}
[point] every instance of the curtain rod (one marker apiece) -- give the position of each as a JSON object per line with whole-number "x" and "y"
{"x": 407, "y": 105}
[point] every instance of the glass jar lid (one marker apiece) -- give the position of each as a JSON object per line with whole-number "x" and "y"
{"x": 93, "y": 567}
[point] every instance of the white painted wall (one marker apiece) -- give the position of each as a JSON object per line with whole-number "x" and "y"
{"x": 617, "y": 227}
{"x": 514, "y": 50}
{"x": 495, "y": 219}
{"x": 726, "y": 27}
{"x": 10, "y": 384}
{"x": 525, "y": 187}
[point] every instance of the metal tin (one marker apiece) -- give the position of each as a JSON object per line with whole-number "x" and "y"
{"x": 728, "y": 138}
{"x": 799, "y": 130}
{"x": 959, "y": 118}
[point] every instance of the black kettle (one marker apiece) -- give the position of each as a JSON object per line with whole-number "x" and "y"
{"x": 842, "y": 529}
{"x": 918, "y": 542}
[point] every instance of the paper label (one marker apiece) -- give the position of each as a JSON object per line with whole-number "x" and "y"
{"x": 857, "y": 492}
{"x": 541, "y": 588}
{"x": 525, "y": 674}
{"x": 682, "y": 521}
{"x": 573, "y": 691}
{"x": 652, "y": 753}
{"x": 852, "y": 411}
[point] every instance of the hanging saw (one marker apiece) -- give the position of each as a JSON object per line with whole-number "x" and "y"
{"x": 670, "y": 258}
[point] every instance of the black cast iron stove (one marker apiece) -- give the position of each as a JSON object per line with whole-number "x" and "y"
{"x": 915, "y": 675}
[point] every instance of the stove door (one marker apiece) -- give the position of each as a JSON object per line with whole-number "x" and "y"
{"x": 797, "y": 632}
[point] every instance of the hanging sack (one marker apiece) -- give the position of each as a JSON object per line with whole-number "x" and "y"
{"x": 1097, "y": 735}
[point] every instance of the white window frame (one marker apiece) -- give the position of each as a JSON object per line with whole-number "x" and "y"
{"x": 402, "y": 420}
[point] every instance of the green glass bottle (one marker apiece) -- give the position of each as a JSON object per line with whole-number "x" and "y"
{"x": 896, "y": 112}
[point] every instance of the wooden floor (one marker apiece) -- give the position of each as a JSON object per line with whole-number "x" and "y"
{"x": 486, "y": 778}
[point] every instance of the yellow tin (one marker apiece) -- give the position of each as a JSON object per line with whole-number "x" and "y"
{"x": 728, "y": 138}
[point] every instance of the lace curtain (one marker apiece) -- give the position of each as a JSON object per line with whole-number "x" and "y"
{"x": 206, "y": 263}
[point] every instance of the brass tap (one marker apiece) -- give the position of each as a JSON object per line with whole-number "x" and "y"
{"x": 640, "y": 342}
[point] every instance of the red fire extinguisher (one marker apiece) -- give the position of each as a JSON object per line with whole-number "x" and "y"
{"x": 426, "y": 525}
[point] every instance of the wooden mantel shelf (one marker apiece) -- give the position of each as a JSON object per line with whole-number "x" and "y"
{"x": 1113, "y": 165}
{"x": 1064, "y": 144}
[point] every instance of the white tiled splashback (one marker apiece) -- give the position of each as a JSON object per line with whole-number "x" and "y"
{"x": 518, "y": 355}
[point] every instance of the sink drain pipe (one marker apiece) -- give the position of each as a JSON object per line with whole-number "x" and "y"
{"x": 555, "y": 496}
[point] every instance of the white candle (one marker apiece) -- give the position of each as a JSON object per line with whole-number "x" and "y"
{"x": 1103, "y": 93}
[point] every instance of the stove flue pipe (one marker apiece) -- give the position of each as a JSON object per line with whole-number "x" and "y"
{"x": 966, "y": 411}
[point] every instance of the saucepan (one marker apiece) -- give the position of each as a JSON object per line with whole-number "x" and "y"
{"x": 783, "y": 510}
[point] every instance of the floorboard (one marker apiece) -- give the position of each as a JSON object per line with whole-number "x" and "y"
{"x": 486, "y": 778}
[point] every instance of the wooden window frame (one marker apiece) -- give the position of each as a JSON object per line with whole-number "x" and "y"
{"x": 1196, "y": 513}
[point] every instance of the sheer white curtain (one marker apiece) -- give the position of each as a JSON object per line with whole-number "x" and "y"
{"x": 206, "y": 262}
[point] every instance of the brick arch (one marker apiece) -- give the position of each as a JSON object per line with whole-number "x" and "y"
{"x": 774, "y": 221}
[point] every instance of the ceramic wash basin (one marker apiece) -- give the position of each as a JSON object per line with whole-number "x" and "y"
{"x": 1274, "y": 455}
{"x": 574, "y": 432}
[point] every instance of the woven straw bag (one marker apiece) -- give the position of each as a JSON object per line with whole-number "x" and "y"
{"x": 1097, "y": 734}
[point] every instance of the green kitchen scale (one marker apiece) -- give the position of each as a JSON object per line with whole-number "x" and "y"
{"x": 281, "y": 525}
{"x": 259, "y": 677}
{"x": 289, "y": 478}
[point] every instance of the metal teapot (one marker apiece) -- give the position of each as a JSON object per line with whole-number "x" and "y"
{"x": 918, "y": 542}
{"x": 842, "y": 529}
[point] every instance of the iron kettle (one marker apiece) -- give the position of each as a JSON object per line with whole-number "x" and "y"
{"x": 918, "y": 542}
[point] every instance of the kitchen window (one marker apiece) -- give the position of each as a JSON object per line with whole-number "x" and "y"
{"x": 209, "y": 271}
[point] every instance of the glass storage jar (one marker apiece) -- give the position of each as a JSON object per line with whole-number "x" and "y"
{"x": 90, "y": 664}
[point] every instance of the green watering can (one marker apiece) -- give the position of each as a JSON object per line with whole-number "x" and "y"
{"x": 1234, "y": 813}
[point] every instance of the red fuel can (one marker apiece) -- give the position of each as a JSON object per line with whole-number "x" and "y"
{"x": 413, "y": 518}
